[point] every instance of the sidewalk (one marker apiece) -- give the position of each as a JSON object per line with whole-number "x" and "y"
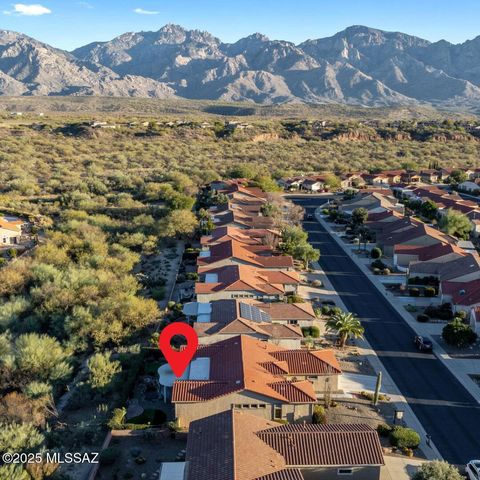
{"x": 459, "y": 368}
{"x": 388, "y": 385}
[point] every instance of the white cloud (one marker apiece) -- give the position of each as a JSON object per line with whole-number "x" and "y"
{"x": 33, "y": 10}
{"x": 142, "y": 11}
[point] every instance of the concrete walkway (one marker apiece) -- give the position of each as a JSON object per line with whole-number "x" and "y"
{"x": 458, "y": 367}
{"x": 356, "y": 383}
{"x": 400, "y": 468}
{"x": 388, "y": 385}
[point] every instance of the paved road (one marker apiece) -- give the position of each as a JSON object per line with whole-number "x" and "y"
{"x": 444, "y": 407}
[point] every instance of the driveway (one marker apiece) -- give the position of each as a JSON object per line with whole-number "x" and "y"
{"x": 444, "y": 407}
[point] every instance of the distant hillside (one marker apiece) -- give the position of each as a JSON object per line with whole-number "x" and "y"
{"x": 93, "y": 107}
{"x": 359, "y": 66}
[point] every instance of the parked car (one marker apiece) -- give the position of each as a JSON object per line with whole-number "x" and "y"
{"x": 473, "y": 470}
{"x": 424, "y": 344}
{"x": 309, "y": 216}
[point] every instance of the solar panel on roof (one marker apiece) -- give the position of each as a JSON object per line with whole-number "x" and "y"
{"x": 250, "y": 312}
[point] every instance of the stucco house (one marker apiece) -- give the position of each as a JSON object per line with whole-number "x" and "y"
{"x": 236, "y": 445}
{"x": 374, "y": 202}
{"x": 233, "y": 252}
{"x": 244, "y": 281}
{"x": 269, "y": 381}
{"x": 11, "y": 229}
{"x": 274, "y": 322}
{"x": 244, "y": 236}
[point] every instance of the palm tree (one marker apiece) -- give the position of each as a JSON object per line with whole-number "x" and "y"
{"x": 345, "y": 325}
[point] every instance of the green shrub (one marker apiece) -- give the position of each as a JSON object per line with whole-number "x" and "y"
{"x": 379, "y": 264}
{"x": 429, "y": 292}
{"x": 335, "y": 311}
{"x": 319, "y": 415}
{"x": 458, "y": 334}
{"x": 376, "y": 253}
{"x": 384, "y": 429}
{"x": 442, "y": 312}
{"x": 314, "y": 331}
{"x": 158, "y": 293}
{"x": 423, "y": 318}
{"x": 325, "y": 310}
{"x": 414, "y": 292}
{"x": 117, "y": 420}
{"x": 403, "y": 437}
{"x": 192, "y": 276}
{"x": 109, "y": 455}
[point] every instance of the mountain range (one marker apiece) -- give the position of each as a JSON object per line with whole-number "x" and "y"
{"x": 358, "y": 66}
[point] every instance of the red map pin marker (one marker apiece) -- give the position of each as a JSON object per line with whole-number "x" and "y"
{"x": 178, "y": 361}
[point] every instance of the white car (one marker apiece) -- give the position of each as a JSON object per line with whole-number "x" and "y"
{"x": 473, "y": 469}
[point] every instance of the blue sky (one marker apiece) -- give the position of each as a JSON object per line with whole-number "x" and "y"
{"x": 71, "y": 23}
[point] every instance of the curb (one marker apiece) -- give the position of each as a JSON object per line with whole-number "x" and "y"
{"x": 431, "y": 452}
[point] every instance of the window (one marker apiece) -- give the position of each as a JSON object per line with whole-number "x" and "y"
{"x": 245, "y": 405}
{"x": 277, "y": 412}
{"x": 293, "y": 322}
{"x": 345, "y": 471}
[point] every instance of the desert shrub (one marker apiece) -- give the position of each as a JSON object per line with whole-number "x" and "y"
{"x": 295, "y": 299}
{"x": 376, "y": 271}
{"x": 423, "y": 318}
{"x": 118, "y": 419}
{"x": 317, "y": 284}
{"x": 319, "y": 415}
{"x": 376, "y": 253}
{"x": 404, "y": 437}
{"x": 458, "y": 334}
{"x": 437, "y": 470}
{"x": 384, "y": 429}
{"x": 379, "y": 264}
{"x": 386, "y": 271}
{"x": 414, "y": 292}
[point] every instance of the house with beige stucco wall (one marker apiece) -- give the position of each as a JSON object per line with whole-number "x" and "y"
{"x": 267, "y": 380}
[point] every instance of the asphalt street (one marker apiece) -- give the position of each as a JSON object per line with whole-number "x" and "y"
{"x": 444, "y": 407}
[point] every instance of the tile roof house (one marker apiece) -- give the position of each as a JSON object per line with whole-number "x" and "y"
{"x": 240, "y": 219}
{"x": 246, "y": 237}
{"x": 374, "y": 202}
{"x": 403, "y": 254}
{"x": 244, "y": 281}
{"x": 465, "y": 268}
{"x": 10, "y": 231}
{"x": 227, "y": 318}
{"x": 233, "y": 252}
{"x": 236, "y": 445}
{"x": 462, "y": 295}
{"x": 412, "y": 233}
{"x": 268, "y": 380}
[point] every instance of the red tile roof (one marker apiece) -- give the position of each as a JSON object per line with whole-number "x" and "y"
{"x": 244, "y": 363}
{"x": 233, "y": 249}
{"x": 235, "y": 445}
{"x": 335, "y": 444}
{"x": 246, "y": 278}
{"x": 463, "y": 293}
